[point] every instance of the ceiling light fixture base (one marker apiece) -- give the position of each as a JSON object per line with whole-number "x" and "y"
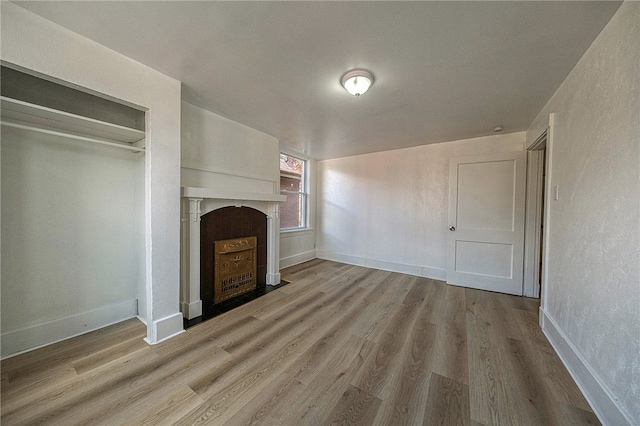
{"x": 357, "y": 81}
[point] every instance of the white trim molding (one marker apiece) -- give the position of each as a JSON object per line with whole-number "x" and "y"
{"x": 536, "y": 158}
{"x": 416, "y": 270}
{"x": 297, "y": 258}
{"x": 599, "y": 397}
{"x": 32, "y": 337}
{"x": 164, "y": 328}
{"x": 222, "y": 194}
{"x": 199, "y": 201}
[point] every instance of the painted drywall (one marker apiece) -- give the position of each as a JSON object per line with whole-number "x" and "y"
{"x": 68, "y": 218}
{"x": 388, "y": 210}
{"x": 592, "y": 295}
{"x": 220, "y": 153}
{"x": 34, "y": 44}
{"x": 297, "y": 247}
{"x": 223, "y": 154}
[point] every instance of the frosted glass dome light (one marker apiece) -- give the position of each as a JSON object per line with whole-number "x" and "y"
{"x": 357, "y": 82}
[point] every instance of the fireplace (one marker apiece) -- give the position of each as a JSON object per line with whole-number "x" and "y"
{"x": 233, "y": 253}
{"x": 198, "y": 240}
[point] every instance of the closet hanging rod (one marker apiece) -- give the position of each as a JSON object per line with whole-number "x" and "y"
{"x": 71, "y": 136}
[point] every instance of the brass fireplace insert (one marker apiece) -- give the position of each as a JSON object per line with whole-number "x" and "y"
{"x": 235, "y": 267}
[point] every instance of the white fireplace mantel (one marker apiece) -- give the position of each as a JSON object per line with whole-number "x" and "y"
{"x": 199, "y": 201}
{"x": 223, "y": 194}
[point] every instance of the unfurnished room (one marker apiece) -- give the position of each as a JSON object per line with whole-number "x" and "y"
{"x": 320, "y": 212}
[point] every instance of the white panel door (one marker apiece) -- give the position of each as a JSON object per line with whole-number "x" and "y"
{"x": 485, "y": 247}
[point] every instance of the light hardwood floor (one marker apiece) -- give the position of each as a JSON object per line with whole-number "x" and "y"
{"x": 339, "y": 345}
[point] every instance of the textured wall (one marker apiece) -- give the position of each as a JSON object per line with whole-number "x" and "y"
{"x": 593, "y": 292}
{"x": 389, "y": 209}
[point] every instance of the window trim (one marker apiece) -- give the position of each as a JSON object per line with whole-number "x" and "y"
{"x": 304, "y": 193}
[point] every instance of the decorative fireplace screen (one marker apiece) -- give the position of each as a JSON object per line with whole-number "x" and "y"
{"x": 235, "y": 267}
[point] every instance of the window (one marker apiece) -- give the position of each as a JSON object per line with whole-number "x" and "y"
{"x": 293, "y": 212}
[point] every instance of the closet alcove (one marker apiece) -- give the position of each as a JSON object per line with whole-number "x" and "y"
{"x": 72, "y": 211}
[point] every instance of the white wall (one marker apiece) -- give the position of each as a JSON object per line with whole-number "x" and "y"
{"x": 297, "y": 247}
{"x": 591, "y": 301}
{"x": 34, "y": 44}
{"x": 219, "y": 153}
{"x": 223, "y": 154}
{"x": 71, "y": 241}
{"x": 388, "y": 210}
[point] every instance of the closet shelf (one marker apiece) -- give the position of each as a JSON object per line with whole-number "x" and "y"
{"x": 24, "y": 114}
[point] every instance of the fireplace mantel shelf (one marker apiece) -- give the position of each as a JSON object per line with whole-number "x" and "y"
{"x": 198, "y": 201}
{"x": 221, "y": 194}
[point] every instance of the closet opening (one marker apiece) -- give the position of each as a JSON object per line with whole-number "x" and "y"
{"x": 72, "y": 211}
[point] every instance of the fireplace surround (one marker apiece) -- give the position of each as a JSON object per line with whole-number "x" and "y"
{"x": 226, "y": 237}
{"x": 196, "y": 203}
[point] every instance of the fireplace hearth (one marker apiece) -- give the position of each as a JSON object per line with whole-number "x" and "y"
{"x": 213, "y": 310}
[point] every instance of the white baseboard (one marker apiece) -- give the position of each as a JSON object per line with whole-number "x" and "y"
{"x": 296, "y": 259}
{"x": 36, "y": 336}
{"x": 274, "y": 279}
{"x": 434, "y": 273}
{"x": 598, "y": 395}
{"x": 419, "y": 271}
{"x": 164, "y": 329}
{"x": 191, "y": 310}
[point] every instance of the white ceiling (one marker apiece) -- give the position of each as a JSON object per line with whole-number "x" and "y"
{"x": 444, "y": 70}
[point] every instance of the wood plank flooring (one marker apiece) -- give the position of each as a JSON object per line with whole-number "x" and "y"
{"x": 341, "y": 344}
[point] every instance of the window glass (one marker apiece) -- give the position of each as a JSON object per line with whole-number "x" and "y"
{"x": 293, "y": 186}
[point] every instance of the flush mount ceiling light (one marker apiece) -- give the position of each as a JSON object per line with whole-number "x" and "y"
{"x": 357, "y": 82}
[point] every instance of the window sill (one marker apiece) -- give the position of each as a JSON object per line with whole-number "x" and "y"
{"x": 295, "y": 232}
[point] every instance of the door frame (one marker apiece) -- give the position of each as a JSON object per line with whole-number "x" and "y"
{"x": 536, "y": 249}
{"x": 533, "y": 216}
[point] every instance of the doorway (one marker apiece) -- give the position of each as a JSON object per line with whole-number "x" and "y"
{"x": 537, "y": 166}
